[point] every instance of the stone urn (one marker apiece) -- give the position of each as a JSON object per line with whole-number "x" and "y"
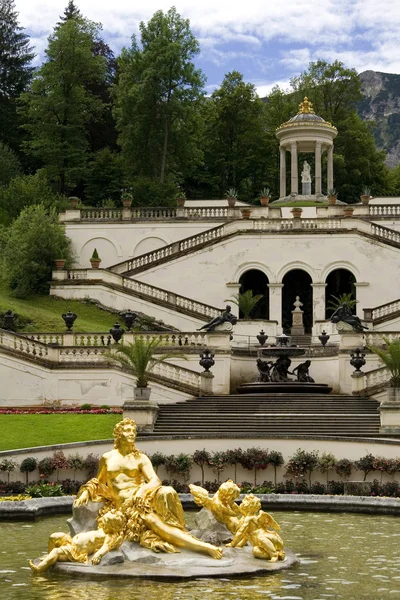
{"x": 332, "y": 200}
{"x": 231, "y": 201}
{"x": 180, "y": 201}
{"x": 73, "y": 201}
{"x": 348, "y": 211}
{"x": 60, "y": 263}
{"x": 264, "y": 200}
{"x": 95, "y": 263}
{"x": 365, "y": 199}
{"x": 126, "y": 202}
{"x": 246, "y": 213}
{"x": 296, "y": 212}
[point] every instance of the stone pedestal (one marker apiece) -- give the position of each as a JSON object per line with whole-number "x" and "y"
{"x": 358, "y": 383}
{"x": 349, "y": 339}
{"x": 206, "y": 385}
{"x": 389, "y": 411}
{"x": 297, "y": 318}
{"x": 144, "y": 413}
{"x": 306, "y": 188}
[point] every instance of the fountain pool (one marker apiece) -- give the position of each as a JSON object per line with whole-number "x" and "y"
{"x": 343, "y": 556}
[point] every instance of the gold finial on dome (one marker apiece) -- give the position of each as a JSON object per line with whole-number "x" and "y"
{"x": 305, "y": 107}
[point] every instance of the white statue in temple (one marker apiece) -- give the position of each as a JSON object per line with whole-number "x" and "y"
{"x": 306, "y": 173}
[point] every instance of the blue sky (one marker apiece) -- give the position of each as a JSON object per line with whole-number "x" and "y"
{"x": 268, "y": 41}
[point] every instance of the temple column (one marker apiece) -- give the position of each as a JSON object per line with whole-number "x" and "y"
{"x": 282, "y": 192}
{"x": 294, "y": 169}
{"x": 317, "y": 168}
{"x": 330, "y": 168}
{"x": 275, "y": 305}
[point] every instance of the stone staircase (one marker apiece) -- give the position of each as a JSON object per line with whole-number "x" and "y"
{"x": 271, "y": 415}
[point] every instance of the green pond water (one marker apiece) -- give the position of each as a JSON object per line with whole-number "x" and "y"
{"x": 342, "y": 556}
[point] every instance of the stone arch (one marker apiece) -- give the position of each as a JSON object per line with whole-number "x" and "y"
{"x": 148, "y": 244}
{"x": 339, "y": 281}
{"x": 297, "y": 282}
{"x": 256, "y": 281}
{"x": 299, "y": 265}
{"x": 339, "y": 264}
{"x": 109, "y": 251}
{"x": 259, "y": 266}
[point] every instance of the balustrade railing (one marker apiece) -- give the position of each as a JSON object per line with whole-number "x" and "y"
{"x": 384, "y": 210}
{"x": 375, "y": 338}
{"x": 101, "y": 214}
{"x": 178, "y": 374}
{"x": 205, "y": 212}
{"x": 77, "y": 274}
{"x": 385, "y": 233}
{"x": 376, "y": 377}
{"x": 19, "y": 343}
{"x": 383, "y": 310}
{"x": 163, "y": 212}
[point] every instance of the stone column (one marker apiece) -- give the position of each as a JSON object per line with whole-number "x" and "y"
{"x": 318, "y": 301}
{"x": 317, "y": 168}
{"x": 275, "y": 304}
{"x": 282, "y": 192}
{"x": 363, "y": 297}
{"x": 330, "y": 167}
{"x": 233, "y": 290}
{"x": 294, "y": 169}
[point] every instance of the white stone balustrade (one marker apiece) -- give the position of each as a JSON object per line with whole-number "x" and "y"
{"x": 375, "y": 338}
{"x": 384, "y": 210}
{"x": 382, "y": 311}
{"x": 376, "y": 377}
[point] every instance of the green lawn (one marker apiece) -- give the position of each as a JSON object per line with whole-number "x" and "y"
{"x": 26, "y": 431}
{"x": 45, "y": 313}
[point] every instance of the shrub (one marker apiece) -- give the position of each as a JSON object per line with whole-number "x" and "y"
{"x": 326, "y": 463}
{"x": 70, "y": 486}
{"x": 318, "y": 488}
{"x": 86, "y": 406}
{"x": 91, "y": 465}
{"x": 201, "y": 458}
{"x": 365, "y": 464}
{"x": 28, "y": 465}
{"x": 59, "y": 461}
{"x": 344, "y": 468}
{"x": 7, "y": 465}
{"x": 179, "y": 465}
{"x": 157, "y": 460}
{"x": 234, "y": 458}
{"x": 35, "y": 241}
{"x": 217, "y": 463}
{"x": 105, "y": 407}
{"x": 257, "y": 459}
{"x": 302, "y": 463}
{"x": 46, "y": 467}
{"x": 336, "y": 488}
{"x": 76, "y": 463}
{"x": 391, "y": 488}
{"x": 44, "y": 490}
{"x": 276, "y": 460}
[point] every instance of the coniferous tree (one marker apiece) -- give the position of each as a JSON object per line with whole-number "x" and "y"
{"x": 60, "y": 105}
{"x": 15, "y": 71}
{"x": 71, "y": 12}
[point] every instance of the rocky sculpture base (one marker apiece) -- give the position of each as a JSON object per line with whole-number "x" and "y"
{"x": 131, "y": 560}
{"x": 135, "y": 562}
{"x": 283, "y": 387}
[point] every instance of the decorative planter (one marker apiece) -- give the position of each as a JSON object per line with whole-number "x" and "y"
{"x": 348, "y": 211}
{"x": 95, "y": 262}
{"x": 73, "y": 201}
{"x": 332, "y": 200}
{"x": 140, "y": 393}
{"x": 365, "y": 199}
{"x": 296, "y": 212}
{"x": 231, "y": 202}
{"x": 246, "y": 212}
{"x": 264, "y": 200}
{"x": 60, "y": 263}
{"x": 127, "y": 202}
{"x": 180, "y": 201}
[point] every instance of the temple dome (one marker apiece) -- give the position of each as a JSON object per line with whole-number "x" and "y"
{"x": 306, "y": 117}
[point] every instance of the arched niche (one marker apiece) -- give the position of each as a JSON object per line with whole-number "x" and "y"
{"x": 297, "y": 282}
{"x": 256, "y": 281}
{"x": 339, "y": 282}
{"x": 109, "y": 253}
{"x": 148, "y": 244}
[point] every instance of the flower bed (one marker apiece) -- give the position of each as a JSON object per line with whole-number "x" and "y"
{"x": 51, "y": 411}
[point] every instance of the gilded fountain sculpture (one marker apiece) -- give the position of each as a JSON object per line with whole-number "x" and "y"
{"x": 135, "y": 513}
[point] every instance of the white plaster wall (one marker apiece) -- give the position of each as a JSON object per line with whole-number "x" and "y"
{"x": 24, "y": 383}
{"x": 116, "y": 242}
{"x": 339, "y": 448}
{"x": 206, "y": 272}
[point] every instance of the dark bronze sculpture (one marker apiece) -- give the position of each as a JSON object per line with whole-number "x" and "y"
{"x": 225, "y": 317}
{"x": 302, "y": 372}
{"x": 280, "y": 369}
{"x": 264, "y": 367}
{"x": 343, "y": 313}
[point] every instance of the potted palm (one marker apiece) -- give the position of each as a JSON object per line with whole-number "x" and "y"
{"x": 265, "y": 196}
{"x": 232, "y": 196}
{"x": 180, "y": 198}
{"x": 246, "y": 212}
{"x": 365, "y": 194}
{"x": 246, "y": 302}
{"x": 138, "y": 358}
{"x": 95, "y": 259}
{"x": 73, "y": 201}
{"x": 390, "y": 356}
{"x": 332, "y": 196}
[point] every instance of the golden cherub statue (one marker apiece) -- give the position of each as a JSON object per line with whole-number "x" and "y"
{"x": 109, "y": 536}
{"x": 247, "y": 522}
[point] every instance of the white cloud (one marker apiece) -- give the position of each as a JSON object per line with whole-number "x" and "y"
{"x": 329, "y": 29}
